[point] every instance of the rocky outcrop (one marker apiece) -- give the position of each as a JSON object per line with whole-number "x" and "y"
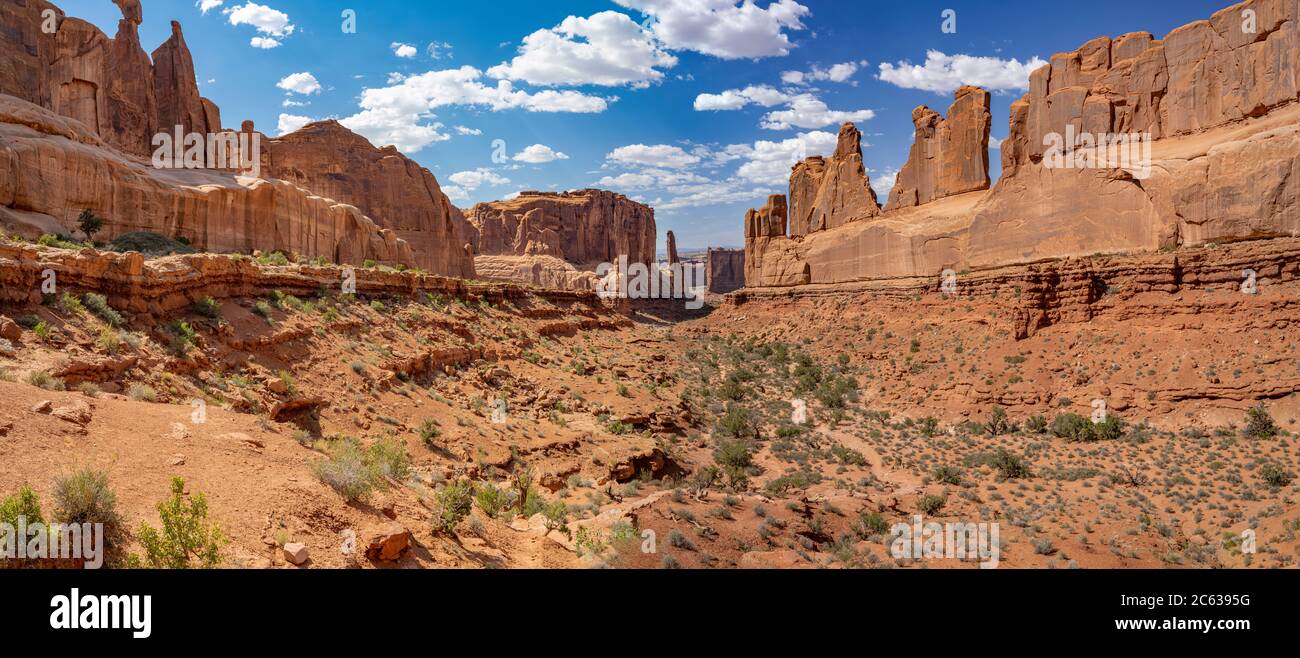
{"x": 540, "y": 271}
{"x": 826, "y": 194}
{"x": 724, "y": 270}
{"x": 949, "y": 156}
{"x": 52, "y": 167}
{"x": 672, "y": 249}
{"x": 390, "y": 188}
{"x": 176, "y": 91}
{"x": 765, "y": 228}
{"x": 1214, "y": 157}
{"x": 585, "y": 228}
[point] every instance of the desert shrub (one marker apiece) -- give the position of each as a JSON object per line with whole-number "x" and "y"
{"x": 44, "y": 332}
{"x": 149, "y": 244}
{"x": 455, "y": 501}
{"x": 735, "y": 459}
{"x": 1274, "y": 475}
{"x": 998, "y": 423}
{"x": 346, "y": 469}
{"x": 491, "y": 499}
{"x": 110, "y": 341}
{"x": 43, "y": 379}
{"x": 208, "y": 307}
{"x": 85, "y": 497}
{"x": 183, "y": 336}
{"x": 1259, "y": 424}
{"x": 677, "y": 540}
{"x": 142, "y": 393}
{"x": 290, "y": 382}
{"x": 1036, "y": 424}
{"x": 870, "y": 524}
{"x": 89, "y": 389}
{"x": 25, "y": 503}
{"x": 793, "y": 481}
{"x": 739, "y": 423}
{"x": 1072, "y": 427}
{"x": 948, "y": 475}
{"x": 388, "y": 458}
{"x": 274, "y": 258}
{"x": 98, "y": 304}
{"x": 931, "y": 504}
{"x": 429, "y": 432}
{"x": 557, "y": 516}
{"x": 263, "y": 309}
{"x": 187, "y": 540}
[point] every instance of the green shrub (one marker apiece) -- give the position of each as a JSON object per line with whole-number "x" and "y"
{"x": 870, "y": 524}
{"x": 1036, "y": 424}
{"x": 738, "y": 423}
{"x": 98, "y": 304}
{"x": 85, "y": 497}
{"x": 931, "y": 504}
{"x": 208, "y": 308}
{"x": 455, "y": 501}
{"x": 183, "y": 336}
{"x": 1072, "y": 427}
{"x": 346, "y": 470}
{"x": 142, "y": 393}
{"x": 186, "y": 540}
{"x": 948, "y": 475}
{"x": 25, "y": 503}
{"x": 389, "y": 459}
{"x": 1259, "y": 424}
{"x": 735, "y": 459}
{"x": 1274, "y": 475}
{"x": 491, "y": 499}
{"x": 43, "y": 379}
{"x": 429, "y": 432}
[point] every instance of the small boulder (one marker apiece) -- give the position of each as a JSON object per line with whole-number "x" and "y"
{"x": 43, "y": 407}
{"x": 295, "y": 553}
{"x": 9, "y": 330}
{"x": 387, "y": 542}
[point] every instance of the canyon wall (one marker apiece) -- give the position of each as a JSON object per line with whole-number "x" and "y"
{"x": 583, "y": 228}
{"x": 122, "y": 97}
{"x": 827, "y": 194}
{"x": 949, "y": 156}
{"x": 724, "y": 270}
{"x": 1210, "y": 137}
{"x": 390, "y": 188}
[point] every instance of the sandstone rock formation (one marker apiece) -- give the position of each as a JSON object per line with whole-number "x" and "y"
{"x": 1217, "y": 101}
{"x": 724, "y": 270}
{"x": 672, "y": 249}
{"x": 826, "y": 194}
{"x": 949, "y": 156}
{"x": 764, "y": 227}
{"x": 385, "y": 185}
{"x": 584, "y": 228}
{"x": 52, "y": 167}
{"x": 176, "y": 90}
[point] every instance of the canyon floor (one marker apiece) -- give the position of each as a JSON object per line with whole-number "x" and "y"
{"x": 619, "y": 421}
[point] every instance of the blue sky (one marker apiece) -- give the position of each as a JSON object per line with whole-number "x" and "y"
{"x": 693, "y": 106}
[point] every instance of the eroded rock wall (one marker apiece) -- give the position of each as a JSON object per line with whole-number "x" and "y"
{"x": 586, "y": 227}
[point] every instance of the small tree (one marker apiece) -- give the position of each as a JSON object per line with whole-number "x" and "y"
{"x": 455, "y": 501}
{"x": 523, "y": 484}
{"x": 186, "y": 541}
{"x": 1259, "y": 424}
{"x": 90, "y": 224}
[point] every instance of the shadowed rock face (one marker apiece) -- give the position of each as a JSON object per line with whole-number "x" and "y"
{"x": 586, "y": 228}
{"x": 390, "y": 188}
{"x": 1218, "y": 102}
{"x": 949, "y": 156}
{"x": 175, "y": 89}
{"x": 826, "y": 194}
{"x": 724, "y": 270}
{"x": 672, "y": 248}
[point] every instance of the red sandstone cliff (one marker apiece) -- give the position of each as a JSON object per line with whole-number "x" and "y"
{"x": 1217, "y": 100}
{"x": 826, "y": 194}
{"x": 586, "y": 227}
{"x": 51, "y": 168}
{"x": 388, "y": 187}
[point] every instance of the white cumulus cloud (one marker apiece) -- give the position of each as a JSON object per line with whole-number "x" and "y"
{"x": 658, "y": 155}
{"x": 404, "y": 50}
{"x": 400, "y": 114}
{"x": 300, "y": 83}
{"x": 735, "y": 99}
{"x": 729, "y": 29}
{"x": 606, "y": 49}
{"x": 206, "y": 6}
{"x": 264, "y": 19}
{"x": 943, "y": 74}
{"x": 836, "y": 73}
{"x": 290, "y": 122}
{"x": 472, "y": 180}
{"x": 539, "y": 154}
{"x": 807, "y": 111}
{"x": 265, "y": 43}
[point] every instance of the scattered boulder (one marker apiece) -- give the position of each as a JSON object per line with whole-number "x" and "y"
{"x": 296, "y": 553}
{"x": 387, "y": 542}
{"x": 9, "y": 330}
